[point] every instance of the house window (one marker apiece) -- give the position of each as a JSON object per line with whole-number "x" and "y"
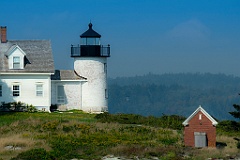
{"x": 0, "y": 90}
{"x": 39, "y": 90}
{"x": 16, "y": 90}
{"x": 60, "y": 95}
{"x": 16, "y": 62}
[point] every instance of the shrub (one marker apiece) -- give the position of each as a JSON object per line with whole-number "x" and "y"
{"x": 13, "y": 106}
{"x": 84, "y": 128}
{"x": 229, "y": 126}
{"x": 17, "y": 107}
{"x": 31, "y": 108}
{"x": 65, "y": 146}
{"x": 104, "y": 117}
{"x": 33, "y": 154}
{"x": 50, "y": 126}
{"x": 53, "y": 107}
{"x": 67, "y": 128}
{"x": 170, "y": 155}
{"x": 172, "y": 121}
{"x": 238, "y": 144}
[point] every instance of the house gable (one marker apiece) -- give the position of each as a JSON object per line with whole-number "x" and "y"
{"x": 202, "y": 111}
{"x": 16, "y": 57}
{"x": 29, "y": 80}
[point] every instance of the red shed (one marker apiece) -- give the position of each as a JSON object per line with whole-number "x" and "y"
{"x": 200, "y": 129}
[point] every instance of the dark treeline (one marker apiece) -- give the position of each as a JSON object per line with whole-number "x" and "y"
{"x": 174, "y": 94}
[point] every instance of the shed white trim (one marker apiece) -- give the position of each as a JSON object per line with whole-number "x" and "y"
{"x": 214, "y": 122}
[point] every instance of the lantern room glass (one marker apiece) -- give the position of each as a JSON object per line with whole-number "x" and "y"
{"x": 90, "y": 41}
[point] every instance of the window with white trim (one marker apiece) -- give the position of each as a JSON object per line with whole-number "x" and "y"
{"x": 60, "y": 95}
{"x": 16, "y": 90}
{"x": 39, "y": 90}
{"x": 16, "y": 62}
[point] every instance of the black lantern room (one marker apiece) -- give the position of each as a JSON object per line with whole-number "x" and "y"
{"x": 90, "y": 45}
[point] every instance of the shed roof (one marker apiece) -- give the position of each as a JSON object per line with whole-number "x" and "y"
{"x": 38, "y": 53}
{"x": 214, "y": 122}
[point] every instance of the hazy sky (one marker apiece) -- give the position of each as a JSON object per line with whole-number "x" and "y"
{"x": 157, "y": 36}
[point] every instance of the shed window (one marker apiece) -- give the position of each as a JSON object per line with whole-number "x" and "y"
{"x": 16, "y": 62}
{"x": 16, "y": 90}
{"x": 60, "y": 95}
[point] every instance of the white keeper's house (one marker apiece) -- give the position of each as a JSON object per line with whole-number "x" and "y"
{"x": 27, "y": 74}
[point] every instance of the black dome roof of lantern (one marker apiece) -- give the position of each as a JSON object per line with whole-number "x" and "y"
{"x": 90, "y": 33}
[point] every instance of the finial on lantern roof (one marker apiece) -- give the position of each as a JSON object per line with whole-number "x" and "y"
{"x": 90, "y": 32}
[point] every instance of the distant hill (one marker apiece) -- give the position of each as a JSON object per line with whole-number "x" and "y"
{"x": 177, "y": 94}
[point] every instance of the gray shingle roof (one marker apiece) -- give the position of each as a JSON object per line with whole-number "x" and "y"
{"x": 66, "y": 75}
{"x": 38, "y": 53}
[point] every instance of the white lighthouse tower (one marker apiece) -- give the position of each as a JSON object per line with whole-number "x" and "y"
{"x": 90, "y": 61}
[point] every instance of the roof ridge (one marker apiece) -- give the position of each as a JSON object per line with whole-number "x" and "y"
{"x": 214, "y": 122}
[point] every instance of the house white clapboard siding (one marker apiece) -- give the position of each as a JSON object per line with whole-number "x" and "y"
{"x": 26, "y": 67}
{"x": 27, "y": 74}
{"x": 30, "y": 89}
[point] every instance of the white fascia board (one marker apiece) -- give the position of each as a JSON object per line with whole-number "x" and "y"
{"x": 15, "y": 73}
{"x": 69, "y": 80}
{"x": 214, "y": 122}
{"x": 185, "y": 123}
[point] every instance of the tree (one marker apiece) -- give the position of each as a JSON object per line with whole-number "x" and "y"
{"x": 236, "y": 113}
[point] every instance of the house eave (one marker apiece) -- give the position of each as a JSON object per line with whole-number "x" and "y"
{"x": 80, "y": 80}
{"x": 25, "y": 73}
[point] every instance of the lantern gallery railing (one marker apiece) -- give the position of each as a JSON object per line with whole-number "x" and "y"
{"x": 90, "y": 51}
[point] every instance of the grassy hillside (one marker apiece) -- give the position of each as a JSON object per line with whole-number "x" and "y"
{"x": 80, "y": 135}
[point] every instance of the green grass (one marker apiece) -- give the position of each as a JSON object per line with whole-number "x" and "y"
{"x": 75, "y": 134}
{"x": 10, "y": 117}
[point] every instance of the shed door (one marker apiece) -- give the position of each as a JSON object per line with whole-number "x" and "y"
{"x": 200, "y": 139}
